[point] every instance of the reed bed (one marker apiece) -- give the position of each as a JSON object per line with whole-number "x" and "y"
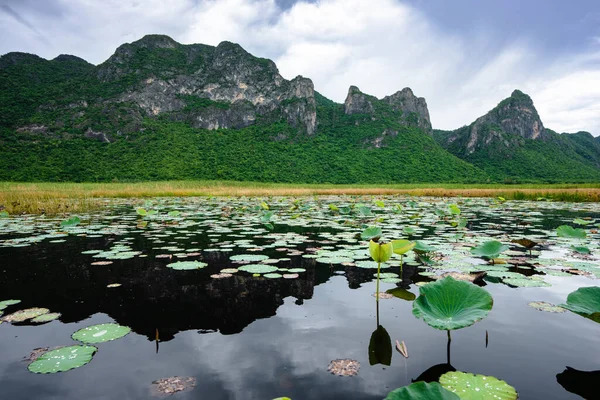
{"x": 57, "y": 198}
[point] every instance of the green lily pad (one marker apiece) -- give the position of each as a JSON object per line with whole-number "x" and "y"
{"x": 525, "y": 282}
{"x": 570, "y": 232}
{"x": 63, "y": 359}
{"x": 273, "y": 275}
{"x": 422, "y": 391}
{"x": 296, "y": 270}
{"x": 449, "y": 304}
{"x": 185, "y": 265}
{"x": 585, "y": 301}
{"x": 101, "y": 333}
{"x": 6, "y": 303}
{"x": 73, "y": 221}
{"x": 491, "y": 249}
{"x": 477, "y": 387}
{"x": 248, "y": 257}
{"x": 257, "y": 268}
{"x": 46, "y": 317}
{"x": 371, "y": 232}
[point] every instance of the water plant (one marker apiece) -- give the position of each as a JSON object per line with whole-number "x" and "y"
{"x": 585, "y": 301}
{"x": 62, "y": 359}
{"x": 568, "y": 231}
{"x": 401, "y": 247}
{"x": 475, "y": 387}
{"x": 490, "y": 250}
{"x": 380, "y": 252}
{"x": 101, "y": 333}
{"x": 448, "y": 304}
{"x": 422, "y": 390}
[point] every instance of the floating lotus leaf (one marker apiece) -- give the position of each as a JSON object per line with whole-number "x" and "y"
{"x": 24, "y": 315}
{"x": 73, "y": 221}
{"x": 296, "y": 270}
{"x": 63, "y": 359}
{"x": 570, "y": 232}
{"x": 422, "y": 391}
{"x": 380, "y": 252}
{"x": 422, "y": 248}
{"x": 585, "y": 301}
{"x": 450, "y": 304}
{"x": 581, "y": 249}
{"x": 6, "y": 303}
{"x": 402, "y": 246}
{"x": 257, "y": 268}
{"x": 46, "y": 318}
{"x": 386, "y": 275}
{"x": 248, "y": 257}
{"x": 477, "y": 387}
{"x": 273, "y": 275}
{"x": 185, "y": 265}
{"x": 402, "y": 293}
{"x": 282, "y": 398}
{"x": 4, "y": 214}
{"x": 101, "y": 333}
{"x": 368, "y": 264}
{"x": 543, "y": 306}
{"x": 490, "y": 249}
{"x": 525, "y": 282}
{"x": 371, "y": 232}
{"x": 391, "y": 280}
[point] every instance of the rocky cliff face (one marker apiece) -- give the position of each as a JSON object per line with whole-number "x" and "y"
{"x": 404, "y": 107}
{"x": 511, "y": 121}
{"x": 171, "y": 77}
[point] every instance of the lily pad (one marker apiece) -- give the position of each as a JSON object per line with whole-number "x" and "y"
{"x": 101, "y": 333}
{"x": 187, "y": 265}
{"x": 24, "y": 315}
{"x": 449, "y": 304}
{"x": 525, "y": 282}
{"x": 570, "y": 232}
{"x": 73, "y": 221}
{"x": 62, "y": 359}
{"x": 477, "y": 387}
{"x": 257, "y": 268}
{"x": 6, "y": 303}
{"x": 46, "y": 317}
{"x": 371, "y": 232}
{"x": 422, "y": 391}
{"x": 402, "y": 293}
{"x": 248, "y": 257}
{"x": 491, "y": 249}
{"x": 585, "y": 301}
{"x": 544, "y": 306}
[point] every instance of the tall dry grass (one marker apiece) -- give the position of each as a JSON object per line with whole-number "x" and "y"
{"x": 56, "y": 198}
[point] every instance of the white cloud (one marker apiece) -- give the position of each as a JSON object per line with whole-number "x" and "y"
{"x": 379, "y": 45}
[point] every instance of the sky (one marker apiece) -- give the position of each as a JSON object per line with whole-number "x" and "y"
{"x": 463, "y": 56}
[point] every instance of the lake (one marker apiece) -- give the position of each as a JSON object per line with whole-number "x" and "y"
{"x": 307, "y": 299}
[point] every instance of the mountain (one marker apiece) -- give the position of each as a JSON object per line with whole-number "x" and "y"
{"x": 511, "y": 144}
{"x": 157, "y": 110}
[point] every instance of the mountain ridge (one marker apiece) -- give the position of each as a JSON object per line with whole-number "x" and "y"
{"x": 154, "y": 85}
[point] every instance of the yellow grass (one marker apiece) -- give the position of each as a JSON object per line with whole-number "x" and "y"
{"x": 54, "y": 198}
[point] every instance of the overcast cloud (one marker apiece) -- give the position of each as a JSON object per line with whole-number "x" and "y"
{"x": 462, "y": 56}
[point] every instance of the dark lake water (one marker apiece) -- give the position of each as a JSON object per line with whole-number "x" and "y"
{"x": 251, "y": 337}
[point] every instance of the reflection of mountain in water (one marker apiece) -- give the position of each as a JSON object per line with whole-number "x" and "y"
{"x": 583, "y": 383}
{"x": 151, "y": 296}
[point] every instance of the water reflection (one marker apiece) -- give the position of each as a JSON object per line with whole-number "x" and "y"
{"x": 380, "y": 345}
{"x": 583, "y": 383}
{"x": 432, "y": 374}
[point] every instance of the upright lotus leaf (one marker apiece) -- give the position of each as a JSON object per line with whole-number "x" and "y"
{"x": 422, "y": 248}
{"x": 570, "y": 232}
{"x": 371, "y": 232}
{"x": 4, "y": 214}
{"x": 490, "y": 249}
{"x": 141, "y": 212}
{"x": 173, "y": 213}
{"x": 408, "y": 230}
{"x": 63, "y": 359}
{"x": 477, "y": 387}
{"x": 583, "y": 222}
{"x": 450, "y": 304}
{"x": 101, "y": 333}
{"x": 73, "y": 221}
{"x": 422, "y": 391}
{"x": 380, "y": 347}
{"x": 528, "y": 244}
{"x": 454, "y": 209}
{"x": 585, "y": 301}
{"x": 380, "y": 252}
{"x": 402, "y": 246}
{"x": 581, "y": 249}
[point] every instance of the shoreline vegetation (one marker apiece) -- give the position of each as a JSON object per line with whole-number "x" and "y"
{"x": 62, "y": 198}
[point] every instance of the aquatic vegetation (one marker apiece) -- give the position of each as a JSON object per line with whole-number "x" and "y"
{"x": 173, "y": 384}
{"x": 258, "y": 268}
{"x": 187, "y": 265}
{"x": 371, "y": 232}
{"x": 6, "y": 303}
{"x": 568, "y": 231}
{"x": 62, "y": 359}
{"x": 46, "y": 318}
{"x": 422, "y": 390}
{"x": 344, "y": 367}
{"x": 544, "y": 306}
{"x": 401, "y": 293}
{"x": 474, "y": 387}
{"x": 73, "y": 221}
{"x": 380, "y": 252}
{"x": 449, "y": 304}
{"x": 585, "y": 302}
{"x": 490, "y": 249}
{"x": 101, "y": 333}
{"x": 24, "y": 315}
